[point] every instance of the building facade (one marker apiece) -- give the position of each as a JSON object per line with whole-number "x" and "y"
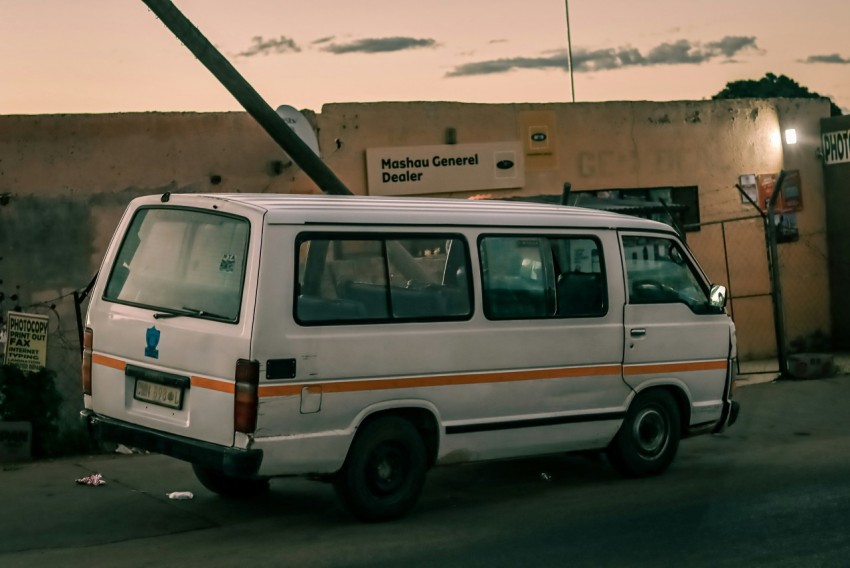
{"x": 65, "y": 180}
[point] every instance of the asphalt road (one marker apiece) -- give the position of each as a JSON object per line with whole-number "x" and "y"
{"x": 774, "y": 490}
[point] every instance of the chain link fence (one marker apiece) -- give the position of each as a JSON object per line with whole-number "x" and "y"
{"x": 779, "y": 310}
{"x": 744, "y": 269}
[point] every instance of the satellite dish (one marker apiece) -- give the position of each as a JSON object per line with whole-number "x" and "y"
{"x": 299, "y": 125}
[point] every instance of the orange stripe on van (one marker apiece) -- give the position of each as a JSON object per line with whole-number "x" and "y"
{"x": 445, "y": 380}
{"x": 197, "y": 382}
{"x": 212, "y": 384}
{"x": 98, "y": 359}
{"x": 280, "y": 390}
{"x": 656, "y": 368}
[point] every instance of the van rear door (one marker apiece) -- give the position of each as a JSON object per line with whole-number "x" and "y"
{"x": 171, "y": 318}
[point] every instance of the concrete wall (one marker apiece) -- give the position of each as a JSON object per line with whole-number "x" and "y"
{"x": 65, "y": 180}
{"x": 637, "y": 145}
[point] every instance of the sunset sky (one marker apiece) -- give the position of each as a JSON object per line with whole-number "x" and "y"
{"x": 95, "y": 56}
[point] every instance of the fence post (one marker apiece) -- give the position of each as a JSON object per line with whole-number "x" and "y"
{"x": 775, "y": 279}
{"x": 773, "y": 267}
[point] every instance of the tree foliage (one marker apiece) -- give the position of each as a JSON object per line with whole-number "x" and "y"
{"x": 771, "y": 86}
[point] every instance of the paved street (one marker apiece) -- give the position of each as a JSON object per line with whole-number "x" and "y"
{"x": 772, "y": 491}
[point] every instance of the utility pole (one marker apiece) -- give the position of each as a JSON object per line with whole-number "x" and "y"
{"x": 570, "y": 51}
{"x": 250, "y": 100}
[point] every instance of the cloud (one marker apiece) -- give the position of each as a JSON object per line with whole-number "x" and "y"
{"x": 496, "y": 66}
{"x": 321, "y": 40}
{"x": 832, "y": 58}
{"x": 262, "y": 46}
{"x": 379, "y": 45}
{"x": 677, "y": 53}
{"x": 729, "y": 46}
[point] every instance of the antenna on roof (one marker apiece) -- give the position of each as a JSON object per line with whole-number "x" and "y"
{"x": 565, "y": 194}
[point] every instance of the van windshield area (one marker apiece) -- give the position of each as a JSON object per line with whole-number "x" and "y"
{"x": 182, "y": 262}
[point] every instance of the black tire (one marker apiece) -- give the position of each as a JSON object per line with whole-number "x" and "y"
{"x": 384, "y": 472}
{"x": 649, "y": 436}
{"x": 229, "y": 486}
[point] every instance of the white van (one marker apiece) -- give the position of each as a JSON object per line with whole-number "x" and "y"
{"x": 363, "y": 340}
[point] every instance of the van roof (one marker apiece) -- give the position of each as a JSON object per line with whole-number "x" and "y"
{"x": 360, "y": 209}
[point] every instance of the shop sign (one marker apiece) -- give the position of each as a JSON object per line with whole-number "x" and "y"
{"x": 417, "y": 170}
{"x": 26, "y": 341}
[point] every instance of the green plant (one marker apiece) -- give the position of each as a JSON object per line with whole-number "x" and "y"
{"x": 31, "y": 397}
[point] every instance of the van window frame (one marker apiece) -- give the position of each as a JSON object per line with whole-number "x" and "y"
{"x": 688, "y": 260}
{"x": 201, "y": 315}
{"x": 550, "y": 294}
{"x": 332, "y": 238}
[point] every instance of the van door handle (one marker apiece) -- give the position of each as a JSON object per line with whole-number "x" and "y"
{"x": 638, "y": 332}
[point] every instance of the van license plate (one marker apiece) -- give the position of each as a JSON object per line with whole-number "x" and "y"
{"x": 155, "y": 393}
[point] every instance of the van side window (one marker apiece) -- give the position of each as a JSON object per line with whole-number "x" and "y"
{"x": 542, "y": 277}
{"x": 378, "y": 279}
{"x": 659, "y": 272}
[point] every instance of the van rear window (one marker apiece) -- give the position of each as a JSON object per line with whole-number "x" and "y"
{"x": 182, "y": 261}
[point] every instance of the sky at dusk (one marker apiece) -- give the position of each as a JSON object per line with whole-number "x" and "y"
{"x": 96, "y": 56}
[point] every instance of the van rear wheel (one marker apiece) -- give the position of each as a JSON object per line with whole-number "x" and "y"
{"x": 649, "y": 436}
{"x": 229, "y": 486}
{"x": 384, "y": 472}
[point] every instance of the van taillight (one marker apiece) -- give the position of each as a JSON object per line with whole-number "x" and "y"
{"x": 88, "y": 340}
{"x": 247, "y": 399}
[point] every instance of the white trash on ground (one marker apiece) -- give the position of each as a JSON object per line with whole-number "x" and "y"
{"x": 180, "y": 495}
{"x": 94, "y": 479}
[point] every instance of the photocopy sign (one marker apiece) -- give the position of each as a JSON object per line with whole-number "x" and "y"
{"x": 413, "y": 170}
{"x": 26, "y": 341}
{"x": 836, "y": 147}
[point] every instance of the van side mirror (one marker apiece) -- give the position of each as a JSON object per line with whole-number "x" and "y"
{"x": 717, "y": 297}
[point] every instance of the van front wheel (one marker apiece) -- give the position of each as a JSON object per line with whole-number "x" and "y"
{"x": 229, "y": 486}
{"x": 384, "y": 472}
{"x": 649, "y": 436}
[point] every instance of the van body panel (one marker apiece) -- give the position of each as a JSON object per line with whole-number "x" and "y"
{"x": 672, "y": 341}
{"x": 495, "y": 385}
{"x": 470, "y": 370}
{"x": 203, "y": 351}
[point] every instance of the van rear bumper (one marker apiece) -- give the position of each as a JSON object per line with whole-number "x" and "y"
{"x": 230, "y": 461}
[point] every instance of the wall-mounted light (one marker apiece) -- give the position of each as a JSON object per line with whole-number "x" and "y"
{"x": 791, "y": 136}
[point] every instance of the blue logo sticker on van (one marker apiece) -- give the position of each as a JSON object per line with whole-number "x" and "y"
{"x": 228, "y": 263}
{"x": 539, "y": 137}
{"x": 504, "y": 164}
{"x": 152, "y": 340}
